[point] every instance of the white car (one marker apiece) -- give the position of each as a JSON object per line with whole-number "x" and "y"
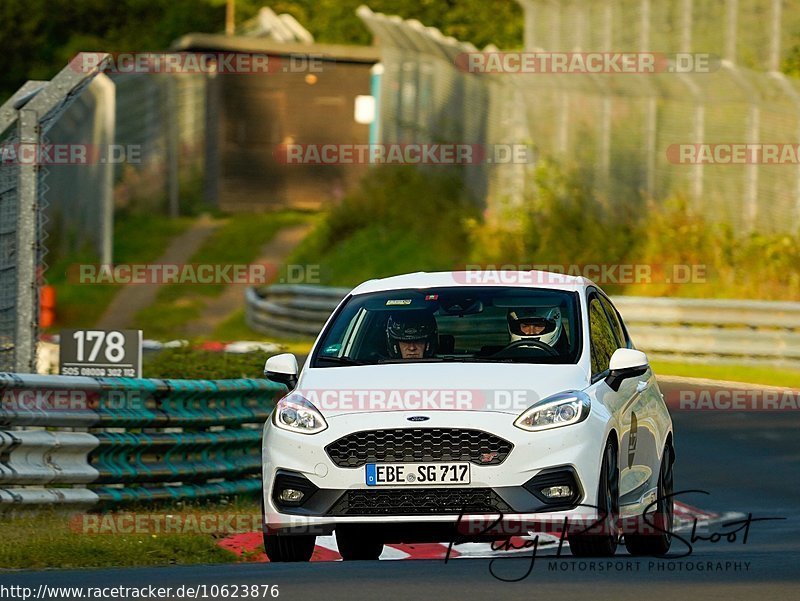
{"x": 431, "y": 401}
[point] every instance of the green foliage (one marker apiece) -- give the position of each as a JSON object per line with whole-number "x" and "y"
{"x": 399, "y": 219}
{"x": 791, "y": 63}
{"x": 195, "y": 364}
{"x": 53, "y": 538}
{"x": 567, "y": 224}
{"x": 80, "y": 305}
{"x": 41, "y": 36}
{"x": 751, "y": 374}
{"x": 237, "y": 242}
{"x": 567, "y": 220}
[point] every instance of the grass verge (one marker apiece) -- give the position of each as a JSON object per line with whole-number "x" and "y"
{"x": 399, "y": 220}
{"x": 235, "y": 328}
{"x": 734, "y": 373}
{"x": 236, "y": 242}
{"x": 55, "y": 539}
{"x": 137, "y": 239}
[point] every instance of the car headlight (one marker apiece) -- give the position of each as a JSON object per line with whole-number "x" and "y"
{"x": 562, "y": 409}
{"x": 296, "y": 414}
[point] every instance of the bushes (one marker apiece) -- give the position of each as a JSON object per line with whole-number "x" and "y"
{"x": 399, "y": 219}
{"x": 188, "y": 363}
{"x": 566, "y": 224}
{"x": 404, "y": 220}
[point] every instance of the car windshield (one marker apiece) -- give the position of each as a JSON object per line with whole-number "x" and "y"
{"x": 470, "y": 324}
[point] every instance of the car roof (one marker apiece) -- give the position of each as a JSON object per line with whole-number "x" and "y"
{"x": 477, "y": 278}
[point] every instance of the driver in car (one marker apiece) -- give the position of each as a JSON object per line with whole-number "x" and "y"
{"x": 539, "y": 324}
{"x": 411, "y": 335}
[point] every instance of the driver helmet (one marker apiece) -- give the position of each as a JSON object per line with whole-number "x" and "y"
{"x": 411, "y": 326}
{"x": 542, "y": 324}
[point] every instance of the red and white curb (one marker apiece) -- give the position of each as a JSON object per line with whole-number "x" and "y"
{"x": 250, "y": 544}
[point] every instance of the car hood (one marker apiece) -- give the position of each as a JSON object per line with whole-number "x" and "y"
{"x": 420, "y": 387}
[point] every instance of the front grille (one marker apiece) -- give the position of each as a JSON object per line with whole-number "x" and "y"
{"x": 419, "y": 501}
{"x": 418, "y": 444}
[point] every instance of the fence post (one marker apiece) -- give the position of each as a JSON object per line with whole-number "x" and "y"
{"x": 752, "y": 169}
{"x": 104, "y": 92}
{"x": 644, "y": 27}
{"x": 555, "y": 24}
{"x": 687, "y": 10}
{"x": 608, "y": 25}
{"x": 605, "y": 142}
{"x": 529, "y": 14}
{"x": 580, "y": 28}
{"x": 698, "y": 133}
{"x": 173, "y": 146}
{"x": 27, "y": 228}
{"x": 731, "y": 13}
{"x": 775, "y": 36}
{"x": 651, "y": 123}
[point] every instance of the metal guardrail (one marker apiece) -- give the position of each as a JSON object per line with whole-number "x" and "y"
{"x": 291, "y": 310}
{"x": 688, "y": 330}
{"x": 141, "y": 440}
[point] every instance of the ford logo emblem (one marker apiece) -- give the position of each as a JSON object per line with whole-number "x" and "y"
{"x": 418, "y": 418}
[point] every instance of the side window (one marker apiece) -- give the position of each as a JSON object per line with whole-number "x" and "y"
{"x": 615, "y": 324}
{"x": 603, "y": 343}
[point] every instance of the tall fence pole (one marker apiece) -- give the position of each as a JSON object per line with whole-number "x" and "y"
{"x": 26, "y": 254}
{"x": 687, "y": 9}
{"x": 104, "y": 92}
{"x": 775, "y": 36}
{"x": 34, "y": 108}
{"x": 173, "y": 148}
{"x": 731, "y": 14}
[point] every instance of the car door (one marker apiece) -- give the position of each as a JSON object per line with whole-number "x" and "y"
{"x": 638, "y": 439}
{"x": 621, "y": 404}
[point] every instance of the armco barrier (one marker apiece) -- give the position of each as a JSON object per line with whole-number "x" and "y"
{"x": 291, "y": 310}
{"x": 141, "y": 440}
{"x": 687, "y": 330}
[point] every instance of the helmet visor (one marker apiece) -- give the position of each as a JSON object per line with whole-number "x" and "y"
{"x": 532, "y": 326}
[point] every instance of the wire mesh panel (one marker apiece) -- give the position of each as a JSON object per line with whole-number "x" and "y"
{"x": 25, "y": 121}
{"x": 159, "y": 115}
{"x": 649, "y": 135}
{"x": 426, "y": 98}
{"x": 8, "y": 242}
{"x": 644, "y": 133}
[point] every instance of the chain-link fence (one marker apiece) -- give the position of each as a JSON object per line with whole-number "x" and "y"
{"x": 633, "y": 135}
{"x": 25, "y": 120}
{"x": 644, "y": 133}
{"x": 149, "y": 131}
{"x": 162, "y": 117}
{"x": 423, "y": 99}
{"x": 756, "y": 34}
{"x": 79, "y": 211}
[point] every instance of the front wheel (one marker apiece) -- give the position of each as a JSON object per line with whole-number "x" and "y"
{"x": 281, "y": 547}
{"x": 603, "y": 544}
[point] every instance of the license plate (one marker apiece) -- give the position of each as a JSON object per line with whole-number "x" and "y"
{"x": 417, "y": 474}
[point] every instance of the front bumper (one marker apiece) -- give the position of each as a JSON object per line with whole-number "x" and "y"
{"x": 339, "y": 495}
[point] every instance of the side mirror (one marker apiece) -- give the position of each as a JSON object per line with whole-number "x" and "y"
{"x": 283, "y": 369}
{"x": 625, "y": 363}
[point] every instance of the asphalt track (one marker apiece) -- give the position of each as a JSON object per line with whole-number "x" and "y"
{"x": 749, "y": 462}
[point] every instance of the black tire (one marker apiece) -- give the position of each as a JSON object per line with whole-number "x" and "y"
{"x": 282, "y": 547}
{"x": 658, "y": 543}
{"x": 358, "y": 544}
{"x": 603, "y": 544}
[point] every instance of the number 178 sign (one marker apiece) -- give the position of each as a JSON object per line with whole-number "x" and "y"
{"x": 101, "y": 353}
